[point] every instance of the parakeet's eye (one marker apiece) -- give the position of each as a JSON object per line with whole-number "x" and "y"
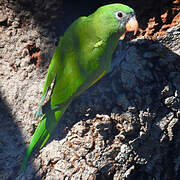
{"x": 119, "y": 14}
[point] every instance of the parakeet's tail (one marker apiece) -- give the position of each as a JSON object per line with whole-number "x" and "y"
{"x": 42, "y": 133}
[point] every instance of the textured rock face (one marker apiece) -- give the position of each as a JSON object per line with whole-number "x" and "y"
{"x": 124, "y": 127}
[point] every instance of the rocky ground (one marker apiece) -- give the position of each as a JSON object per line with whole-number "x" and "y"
{"x": 124, "y": 127}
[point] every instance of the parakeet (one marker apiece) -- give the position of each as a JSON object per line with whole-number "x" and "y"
{"x": 82, "y": 57}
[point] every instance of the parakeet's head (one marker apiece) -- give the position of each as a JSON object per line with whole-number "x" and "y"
{"x": 118, "y": 18}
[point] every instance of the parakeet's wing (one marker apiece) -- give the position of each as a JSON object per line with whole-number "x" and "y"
{"x": 72, "y": 63}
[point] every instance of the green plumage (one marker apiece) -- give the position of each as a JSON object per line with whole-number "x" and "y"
{"x": 82, "y": 56}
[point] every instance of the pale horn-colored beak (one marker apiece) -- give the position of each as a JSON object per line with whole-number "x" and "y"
{"x": 132, "y": 25}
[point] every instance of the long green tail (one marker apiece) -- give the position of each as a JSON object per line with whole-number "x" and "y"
{"x": 42, "y": 133}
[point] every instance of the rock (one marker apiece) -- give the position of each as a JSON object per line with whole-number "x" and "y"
{"x": 3, "y": 18}
{"x": 25, "y": 61}
{"x": 123, "y": 101}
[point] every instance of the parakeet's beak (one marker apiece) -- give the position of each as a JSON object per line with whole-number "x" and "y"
{"x": 132, "y": 25}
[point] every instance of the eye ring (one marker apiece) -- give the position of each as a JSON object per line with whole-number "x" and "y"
{"x": 119, "y": 14}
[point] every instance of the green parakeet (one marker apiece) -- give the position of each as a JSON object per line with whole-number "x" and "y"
{"x": 81, "y": 58}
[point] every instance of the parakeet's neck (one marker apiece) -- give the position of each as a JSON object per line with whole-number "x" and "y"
{"x": 97, "y": 41}
{"x": 108, "y": 31}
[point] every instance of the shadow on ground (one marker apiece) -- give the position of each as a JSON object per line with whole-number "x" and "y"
{"x": 11, "y": 142}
